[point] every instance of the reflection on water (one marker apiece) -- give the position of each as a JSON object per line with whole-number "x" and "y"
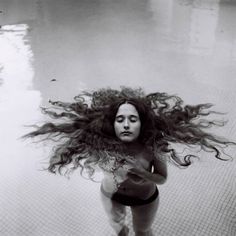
{"x": 17, "y": 72}
{"x": 203, "y": 28}
{"x": 105, "y": 43}
{"x": 18, "y": 104}
{"x": 153, "y": 44}
{"x": 16, "y": 58}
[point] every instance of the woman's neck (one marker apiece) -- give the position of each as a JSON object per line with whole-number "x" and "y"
{"x": 133, "y": 148}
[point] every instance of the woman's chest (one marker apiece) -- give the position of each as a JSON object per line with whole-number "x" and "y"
{"x": 142, "y": 159}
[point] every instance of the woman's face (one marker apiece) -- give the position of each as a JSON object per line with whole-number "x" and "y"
{"x": 127, "y": 123}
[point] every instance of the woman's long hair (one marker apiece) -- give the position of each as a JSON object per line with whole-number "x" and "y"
{"x": 85, "y": 136}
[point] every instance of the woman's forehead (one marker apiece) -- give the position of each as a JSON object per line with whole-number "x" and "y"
{"x": 127, "y": 109}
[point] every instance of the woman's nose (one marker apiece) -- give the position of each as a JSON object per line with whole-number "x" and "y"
{"x": 126, "y": 124}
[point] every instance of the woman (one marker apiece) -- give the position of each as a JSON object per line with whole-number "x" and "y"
{"x": 134, "y": 182}
{"x": 128, "y": 135}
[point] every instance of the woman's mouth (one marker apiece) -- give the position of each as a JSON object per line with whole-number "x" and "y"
{"x": 126, "y": 133}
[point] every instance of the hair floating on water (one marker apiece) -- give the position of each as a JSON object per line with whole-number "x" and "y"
{"x": 87, "y": 138}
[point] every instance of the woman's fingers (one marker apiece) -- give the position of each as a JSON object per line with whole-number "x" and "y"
{"x": 130, "y": 161}
{"x": 135, "y": 171}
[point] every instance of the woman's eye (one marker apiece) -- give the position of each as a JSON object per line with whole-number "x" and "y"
{"x": 133, "y": 119}
{"x": 119, "y": 119}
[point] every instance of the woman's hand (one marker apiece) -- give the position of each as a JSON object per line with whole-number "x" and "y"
{"x": 135, "y": 171}
{"x": 129, "y": 170}
{"x": 135, "y": 167}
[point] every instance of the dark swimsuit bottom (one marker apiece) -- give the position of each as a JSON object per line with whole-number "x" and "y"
{"x": 130, "y": 201}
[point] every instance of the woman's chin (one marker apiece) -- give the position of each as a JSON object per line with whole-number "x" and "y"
{"x": 127, "y": 139}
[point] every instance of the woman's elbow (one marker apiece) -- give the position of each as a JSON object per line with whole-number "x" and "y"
{"x": 162, "y": 179}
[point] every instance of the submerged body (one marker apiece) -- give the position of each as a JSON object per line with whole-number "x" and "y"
{"x": 124, "y": 182}
{"x": 139, "y": 171}
{"x": 133, "y": 184}
{"x": 131, "y": 180}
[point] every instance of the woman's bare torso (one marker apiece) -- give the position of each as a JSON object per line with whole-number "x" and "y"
{"x": 132, "y": 185}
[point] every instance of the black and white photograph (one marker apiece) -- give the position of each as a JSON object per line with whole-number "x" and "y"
{"x": 117, "y": 117}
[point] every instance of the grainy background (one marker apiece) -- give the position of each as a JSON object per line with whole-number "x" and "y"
{"x": 53, "y": 49}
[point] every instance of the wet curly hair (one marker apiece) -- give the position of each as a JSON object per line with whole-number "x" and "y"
{"x": 85, "y": 136}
